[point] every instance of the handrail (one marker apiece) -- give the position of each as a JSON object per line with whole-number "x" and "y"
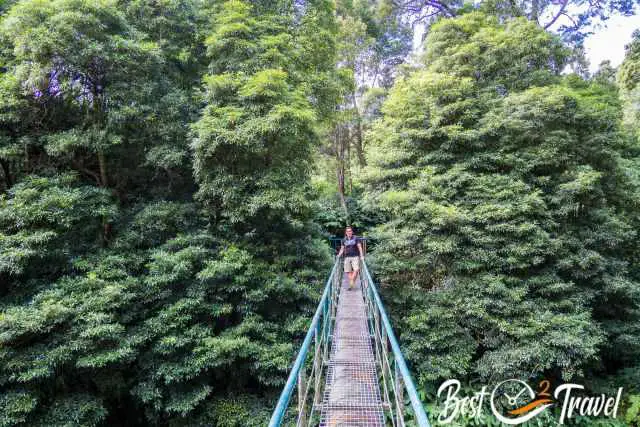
{"x": 395, "y": 377}
{"x": 285, "y": 396}
{"x": 400, "y": 364}
{"x": 335, "y": 240}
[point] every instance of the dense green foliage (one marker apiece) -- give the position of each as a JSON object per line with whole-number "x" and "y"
{"x": 126, "y": 299}
{"x": 629, "y": 81}
{"x": 168, "y": 169}
{"x": 510, "y": 231}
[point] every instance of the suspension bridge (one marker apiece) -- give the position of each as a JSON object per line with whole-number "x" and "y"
{"x": 350, "y": 370}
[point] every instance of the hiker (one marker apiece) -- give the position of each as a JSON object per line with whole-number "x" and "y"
{"x": 351, "y": 249}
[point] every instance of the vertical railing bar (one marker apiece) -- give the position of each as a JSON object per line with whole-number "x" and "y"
{"x": 327, "y": 330}
{"x": 318, "y": 372}
{"x": 399, "y": 396}
{"x": 302, "y": 391}
{"x": 392, "y": 386}
{"x": 307, "y": 386}
{"x": 386, "y": 371}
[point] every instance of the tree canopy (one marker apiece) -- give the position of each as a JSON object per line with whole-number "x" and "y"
{"x": 574, "y": 20}
{"x": 170, "y": 171}
{"x": 507, "y": 212}
{"x": 129, "y": 289}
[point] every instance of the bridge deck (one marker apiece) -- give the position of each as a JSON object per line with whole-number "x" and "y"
{"x": 352, "y": 390}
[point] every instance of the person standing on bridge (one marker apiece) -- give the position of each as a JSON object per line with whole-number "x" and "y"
{"x": 351, "y": 249}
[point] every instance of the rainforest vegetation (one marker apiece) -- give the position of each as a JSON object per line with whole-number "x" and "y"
{"x": 170, "y": 171}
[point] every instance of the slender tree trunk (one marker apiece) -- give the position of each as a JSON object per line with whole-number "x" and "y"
{"x": 343, "y": 200}
{"x": 358, "y": 131}
{"x": 104, "y": 182}
{"x": 102, "y": 161}
{"x": 348, "y": 162}
{"x": 535, "y": 10}
{"x": 6, "y": 170}
{"x": 340, "y": 169}
{"x": 106, "y": 231}
{"x": 27, "y": 165}
{"x": 359, "y": 143}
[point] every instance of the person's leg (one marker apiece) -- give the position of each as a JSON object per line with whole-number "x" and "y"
{"x": 354, "y": 271}
{"x": 347, "y": 268}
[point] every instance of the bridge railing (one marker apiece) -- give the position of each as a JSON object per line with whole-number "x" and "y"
{"x": 307, "y": 378}
{"x": 336, "y": 242}
{"x": 396, "y": 378}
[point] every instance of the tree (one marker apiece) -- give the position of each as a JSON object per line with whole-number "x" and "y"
{"x": 502, "y": 187}
{"x": 81, "y": 82}
{"x": 571, "y": 19}
{"x": 371, "y": 43}
{"x": 254, "y": 141}
{"x": 629, "y": 82}
{"x": 144, "y": 326}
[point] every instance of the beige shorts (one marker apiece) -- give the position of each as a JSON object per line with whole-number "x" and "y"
{"x": 351, "y": 263}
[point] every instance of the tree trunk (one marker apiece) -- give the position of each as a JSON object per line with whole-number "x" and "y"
{"x": 348, "y": 163}
{"x": 104, "y": 182}
{"x": 6, "y": 170}
{"x": 359, "y": 144}
{"x": 27, "y": 163}
{"x": 102, "y": 161}
{"x": 534, "y": 11}
{"x": 339, "y": 150}
{"x": 358, "y": 130}
{"x": 343, "y": 200}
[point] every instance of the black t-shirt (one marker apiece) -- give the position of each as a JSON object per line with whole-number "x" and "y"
{"x": 351, "y": 246}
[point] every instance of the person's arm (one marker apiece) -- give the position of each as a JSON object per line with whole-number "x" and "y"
{"x": 341, "y": 251}
{"x": 360, "y": 250}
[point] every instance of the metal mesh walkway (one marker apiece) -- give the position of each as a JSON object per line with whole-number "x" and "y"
{"x": 352, "y": 391}
{"x": 358, "y": 360}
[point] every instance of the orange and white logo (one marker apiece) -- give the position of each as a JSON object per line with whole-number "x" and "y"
{"x": 514, "y": 402}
